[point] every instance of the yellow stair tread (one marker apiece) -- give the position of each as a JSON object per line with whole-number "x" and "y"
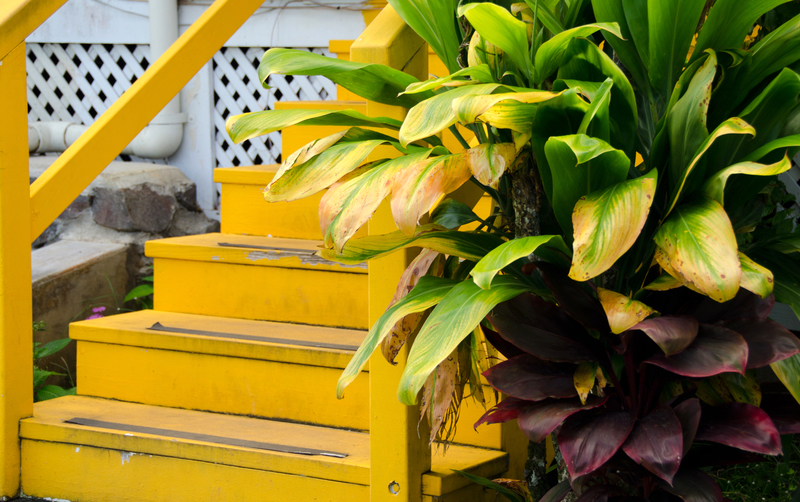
{"x": 246, "y": 175}
{"x": 331, "y": 104}
{"x": 224, "y": 336}
{"x": 247, "y": 250}
{"x": 333, "y": 454}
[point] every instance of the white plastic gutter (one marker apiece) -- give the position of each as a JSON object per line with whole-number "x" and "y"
{"x": 159, "y": 139}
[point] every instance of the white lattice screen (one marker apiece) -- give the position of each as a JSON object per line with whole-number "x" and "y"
{"x": 237, "y": 90}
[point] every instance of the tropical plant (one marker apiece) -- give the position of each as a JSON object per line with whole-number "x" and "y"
{"x": 43, "y": 391}
{"x": 627, "y": 268}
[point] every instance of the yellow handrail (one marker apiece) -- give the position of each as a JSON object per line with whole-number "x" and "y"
{"x": 68, "y": 176}
{"x": 18, "y": 19}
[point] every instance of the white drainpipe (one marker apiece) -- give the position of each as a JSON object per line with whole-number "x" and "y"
{"x": 159, "y": 139}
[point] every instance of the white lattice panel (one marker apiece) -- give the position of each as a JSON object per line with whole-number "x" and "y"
{"x": 78, "y": 82}
{"x": 237, "y": 90}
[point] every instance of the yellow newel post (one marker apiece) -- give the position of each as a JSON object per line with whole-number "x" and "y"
{"x": 16, "y": 355}
{"x": 399, "y": 453}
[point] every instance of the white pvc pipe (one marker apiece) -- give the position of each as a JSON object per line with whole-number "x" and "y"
{"x": 158, "y": 140}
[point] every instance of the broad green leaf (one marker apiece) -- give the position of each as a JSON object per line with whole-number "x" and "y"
{"x": 779, "y": 144}
{"x": 455, "y": 317}
{"x": 428, "y": 292}
{"x": 580, "y": 165}
{"x": 513, "y": 110}
{"x": 350, "y": 203}
{"x": 607, "y": 223}
{"x": 623, "y": 313}
{"x": 730, "y": 126}
{"x": 715, "y": 186}
{"x": 469, "y": 246}
{"x": 511, "y": 251}
{"x": 788, "y": 372}
{"x": 451, "y": 214}
{"x": 639, "y": 25}
{"x": 607, "y": 11}
{"x": 436, "y": 114}
{"x": 786, "y": 270}
{"x": 597, "y": 116}
{"x": 498, "y": 26}
{"x": 433, "y": 21}
{"x": 549, "y": 55}
{"x": 729, "y": 22}
{"x": 544, "y": 13}
{"x": 138, "y": 292}
{"x": 53, "y": 391}
{"x": 776, "y": 51}
{"x": 672, "y": 26}
{"x": 418, "y": 187}
{"x": 488, "y": 162}
{"x": 373, "y": 82}
{"x": 698, "y": 243}
{"x": 755, "y": 278}
{"x": 480, "y": 74}
{"x": 50, "y": 348}
{"x": 743, "y": 388}
{"x": 249, "y": 125}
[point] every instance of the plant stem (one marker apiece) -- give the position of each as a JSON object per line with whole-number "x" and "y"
{"x": 459, "y": 137}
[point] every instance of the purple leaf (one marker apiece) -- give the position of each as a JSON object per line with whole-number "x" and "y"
{"x": 587, "y": 440}
{"x": 575, "y": 298}
{"x": 688, "y": 413}
{"x": 598, "y": 493}
{"x": 693, "y": 485}
{"x": 657, "y": 443}
{"x": 540, "y": 419}
{"x": 543, "y": 329}
{"x": 557, "y": 493}
{"x": 507, "y": 409}
{"x": 740, "y": 425}
{"x": 527, "y": 377}
{"x": 502, "y": 346}
{"x": 672, "y": 334}
{"x": 715, "y": 350}
{"x": 744, "y": 305}
{"x": 783, "y": 409}
{"x": 767, "y": 341}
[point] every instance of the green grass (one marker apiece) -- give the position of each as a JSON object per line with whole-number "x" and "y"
{"x": 777, "y": 479}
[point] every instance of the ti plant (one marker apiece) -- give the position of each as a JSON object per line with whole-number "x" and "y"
{"x": 623, "y": 279}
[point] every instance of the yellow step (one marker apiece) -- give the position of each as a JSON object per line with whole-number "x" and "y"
{"x": 295, "y": 137}
{"x": 88, "y": 449}
{"x": 244, "y": 210}
{"x": 253, "y": 277}
{"x": 256, "y": 368}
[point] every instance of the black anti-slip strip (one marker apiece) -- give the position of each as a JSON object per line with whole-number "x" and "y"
{"x": 268, "y": 248}
{"x": 203, "y": 437}
{"x": 253, "y": 338}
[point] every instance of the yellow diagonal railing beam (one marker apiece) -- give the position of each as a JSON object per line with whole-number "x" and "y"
{"x": 72, "y": 172}
{"x": 18, "y": 19}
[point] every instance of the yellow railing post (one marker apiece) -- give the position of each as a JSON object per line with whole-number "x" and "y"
{"x": 16, "y": 356}
{"x": 399, "y": 452}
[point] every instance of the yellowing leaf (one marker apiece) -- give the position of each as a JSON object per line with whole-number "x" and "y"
{"x": 755, "y": 278}
{"x": 699, "y": 248}
{"x": 488, "y": 162}
{"x": 607, "y": 223}
{"x": 715, "y": 186}
{"x": 584, "y": 379}
{"x": 622, "y": 312}
{"x": 513, "y": 109}
{"x": 663, "y": 260}
{"x": 417, "y": 188}
{"x": 308, "y": 151}
{"x": 664, "y": 282}
{"x": 437, "y": 394}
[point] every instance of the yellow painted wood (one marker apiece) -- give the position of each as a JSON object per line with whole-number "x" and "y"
{"x": 18, "y": 19}
{"x": 342, "y": 50}
{"x": 72, "y": 172}
{"x": 252, "y": 387}
{"x": 16, "y": 373}
{"x": 244, "y": 210}
{"x": 131, "y": 329}
{"x": 295, "y": 137}
{"x": 84, "y": 473}
{"x": 398, "y": 446}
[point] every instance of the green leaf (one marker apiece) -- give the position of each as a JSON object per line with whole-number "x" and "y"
{"x": 428, "y": 292}
{"x": 607, "y": 11}
{"x": 548, "y": 57}
{"x": 509, "y": 494}
{"x": 512, "y": 110}
{"x": 249, "y": 125}
{"x": 480, "y": 74}
{"x": 139, "y": 292}
{"x": 452, "y": 214}
{"x": 672, "y": 26}
{"x": 743, "y": 388}
{"x": 470, "y": 246}
{"x": 434, "y": 22}
{"x": 639, "y": 25}
{"x": 53, "y": 391}
{"x": 755, "y": 278}
{"x": 580, "y": 165}
{"x": 40, "y": 376}
{"x": 499, "y": 27}
{"x": 52, "y": 347}
{"x": 437, "y": 113}
{"x": 729, "y": 22}
{"x": 788, "y": 372}
{"x": 699, "y": 248}
{"x": 607, "y": 223}
{"x": 776, "y": 51}
{"x": 453, "y": 319}
{"x": 511, "y": 251}
{"x": 370, "y": 81}
{"x": 779, "y": 144}
{"x": 715, "y": 186}
{"x": 597, "y": 116}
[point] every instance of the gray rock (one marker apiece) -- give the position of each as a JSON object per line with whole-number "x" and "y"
{"x": 149, "y": 211}
{"x": 191, "y": 223}
{"x": 109, "y": 209}
{"x": 187, "y": 197}
{"x": 77, "y": 206}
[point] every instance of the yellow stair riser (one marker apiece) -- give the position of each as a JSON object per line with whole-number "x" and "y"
{"x": 250, "y": 387}
{"x": 295, "y": 137}
{"x": 304, "y": 296}
{"x": 88, "y": 474}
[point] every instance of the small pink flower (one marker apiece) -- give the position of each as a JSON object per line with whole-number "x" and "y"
{"x": 97, "y": 310}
